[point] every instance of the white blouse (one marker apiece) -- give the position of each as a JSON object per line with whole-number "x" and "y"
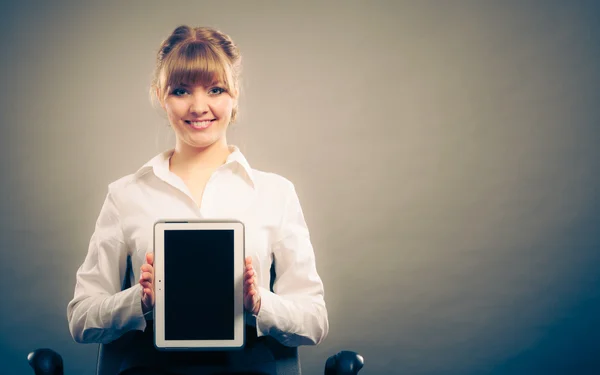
{"x": 294, "y": 313}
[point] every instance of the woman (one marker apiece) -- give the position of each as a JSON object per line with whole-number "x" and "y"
{"x": 196, "y": 82}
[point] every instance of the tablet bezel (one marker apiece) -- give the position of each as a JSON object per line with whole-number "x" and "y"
{"x": 159, "y": 308}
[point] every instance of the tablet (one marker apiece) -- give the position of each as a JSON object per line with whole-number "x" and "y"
{"x": 198, "y": 281}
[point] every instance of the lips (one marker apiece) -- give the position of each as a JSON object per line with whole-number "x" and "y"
{"x": 200, "y": 124}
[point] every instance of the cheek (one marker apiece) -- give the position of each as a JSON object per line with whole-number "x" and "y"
{"x": 174, "y": 113}
{"x": 223, "y": 106}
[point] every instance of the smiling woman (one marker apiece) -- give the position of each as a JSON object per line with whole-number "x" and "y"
{"x": 196, "y": 82}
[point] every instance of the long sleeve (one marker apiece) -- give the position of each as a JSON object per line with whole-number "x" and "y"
{"x": 99, "y": 311}
{"x": 295, "y": 312}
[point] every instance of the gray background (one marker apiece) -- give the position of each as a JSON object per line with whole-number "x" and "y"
{"x": 445, "y": 154}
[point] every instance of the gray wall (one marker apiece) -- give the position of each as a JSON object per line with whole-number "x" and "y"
{"x": 445, "y": 153}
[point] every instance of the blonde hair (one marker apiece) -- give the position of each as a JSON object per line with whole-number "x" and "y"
{"x": 197, "y": 56}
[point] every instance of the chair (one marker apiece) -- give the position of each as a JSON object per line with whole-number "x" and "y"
{"x": 48, "y": 362}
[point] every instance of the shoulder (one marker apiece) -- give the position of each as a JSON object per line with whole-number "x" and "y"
{"x": 129, "y": 184}
{"x": 275, "y": 192}
{"x": 133, "y": 180}
{"x": 272, "y": 183}
{"x": 122, "y": 183}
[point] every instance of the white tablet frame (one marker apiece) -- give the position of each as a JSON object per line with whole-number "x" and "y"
{"x": 159, "y": 308}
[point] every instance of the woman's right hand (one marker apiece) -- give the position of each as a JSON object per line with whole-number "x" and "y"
{"x": 147, "y": 283}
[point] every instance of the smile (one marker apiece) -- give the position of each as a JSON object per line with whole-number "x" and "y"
{"x": 200, "y": 124}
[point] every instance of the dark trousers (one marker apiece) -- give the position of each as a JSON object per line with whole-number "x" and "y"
{"x": 143, "y": 358}
{"x": 146, "y": 371}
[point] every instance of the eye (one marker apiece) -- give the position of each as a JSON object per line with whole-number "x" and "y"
{"x": 179, "y": 91}
{"x": 216, "y": 90}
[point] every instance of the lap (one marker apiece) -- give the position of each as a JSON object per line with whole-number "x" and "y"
{"x": 142, "y": 358}
{"x": 150, "y": 371}
{"x": 144, "y": 371}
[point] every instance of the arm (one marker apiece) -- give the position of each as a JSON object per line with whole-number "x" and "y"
{"x": 99, "y": 311}
{"x": 295, "y": 312}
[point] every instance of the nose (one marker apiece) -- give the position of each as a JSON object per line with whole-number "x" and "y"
{"x": 199, "y": 104}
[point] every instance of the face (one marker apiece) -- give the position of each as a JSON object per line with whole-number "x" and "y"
{"x": 199, "y": 115}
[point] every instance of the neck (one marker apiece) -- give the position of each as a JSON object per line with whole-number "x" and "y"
{"x": 187, "y": 159}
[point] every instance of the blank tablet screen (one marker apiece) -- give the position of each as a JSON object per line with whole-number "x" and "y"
{"x": 199, "y": 284}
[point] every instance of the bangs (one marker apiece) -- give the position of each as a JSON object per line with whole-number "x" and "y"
{"x": 196, "y": 63}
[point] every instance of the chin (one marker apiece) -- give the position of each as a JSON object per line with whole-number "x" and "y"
{"x": 201, "y": 143}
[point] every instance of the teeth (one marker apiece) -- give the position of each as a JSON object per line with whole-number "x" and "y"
{"x": 200, "y": 124}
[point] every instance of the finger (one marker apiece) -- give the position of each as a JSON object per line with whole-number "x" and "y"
{"x": 248, "y": 260}
{"x": 143, "y": 280}
{"x": 149, "y": 292}
{"x": 146, "y": 276}
{"x": 150, "y": 258}
{"x": 252, "y": 292}
{"x": 147, "y": 268}
{"x": 248, "y": 288}
{"x": 146, "y": 284}
{"x": 249, "y": 281}
{"x": 147, "y": 273}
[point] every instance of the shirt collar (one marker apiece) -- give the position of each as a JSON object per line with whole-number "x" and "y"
{"x": 236, "y": 156}
{"x": 160, "y": 164}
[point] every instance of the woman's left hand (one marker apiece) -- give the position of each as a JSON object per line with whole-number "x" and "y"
{"x": 251, "y": 293}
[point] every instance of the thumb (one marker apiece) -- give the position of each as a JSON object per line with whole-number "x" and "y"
{"x": 150, "y": 258}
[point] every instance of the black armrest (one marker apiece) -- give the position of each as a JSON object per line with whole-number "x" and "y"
{"x": 46, "y": 362}
{"x": 344, "y": 363}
